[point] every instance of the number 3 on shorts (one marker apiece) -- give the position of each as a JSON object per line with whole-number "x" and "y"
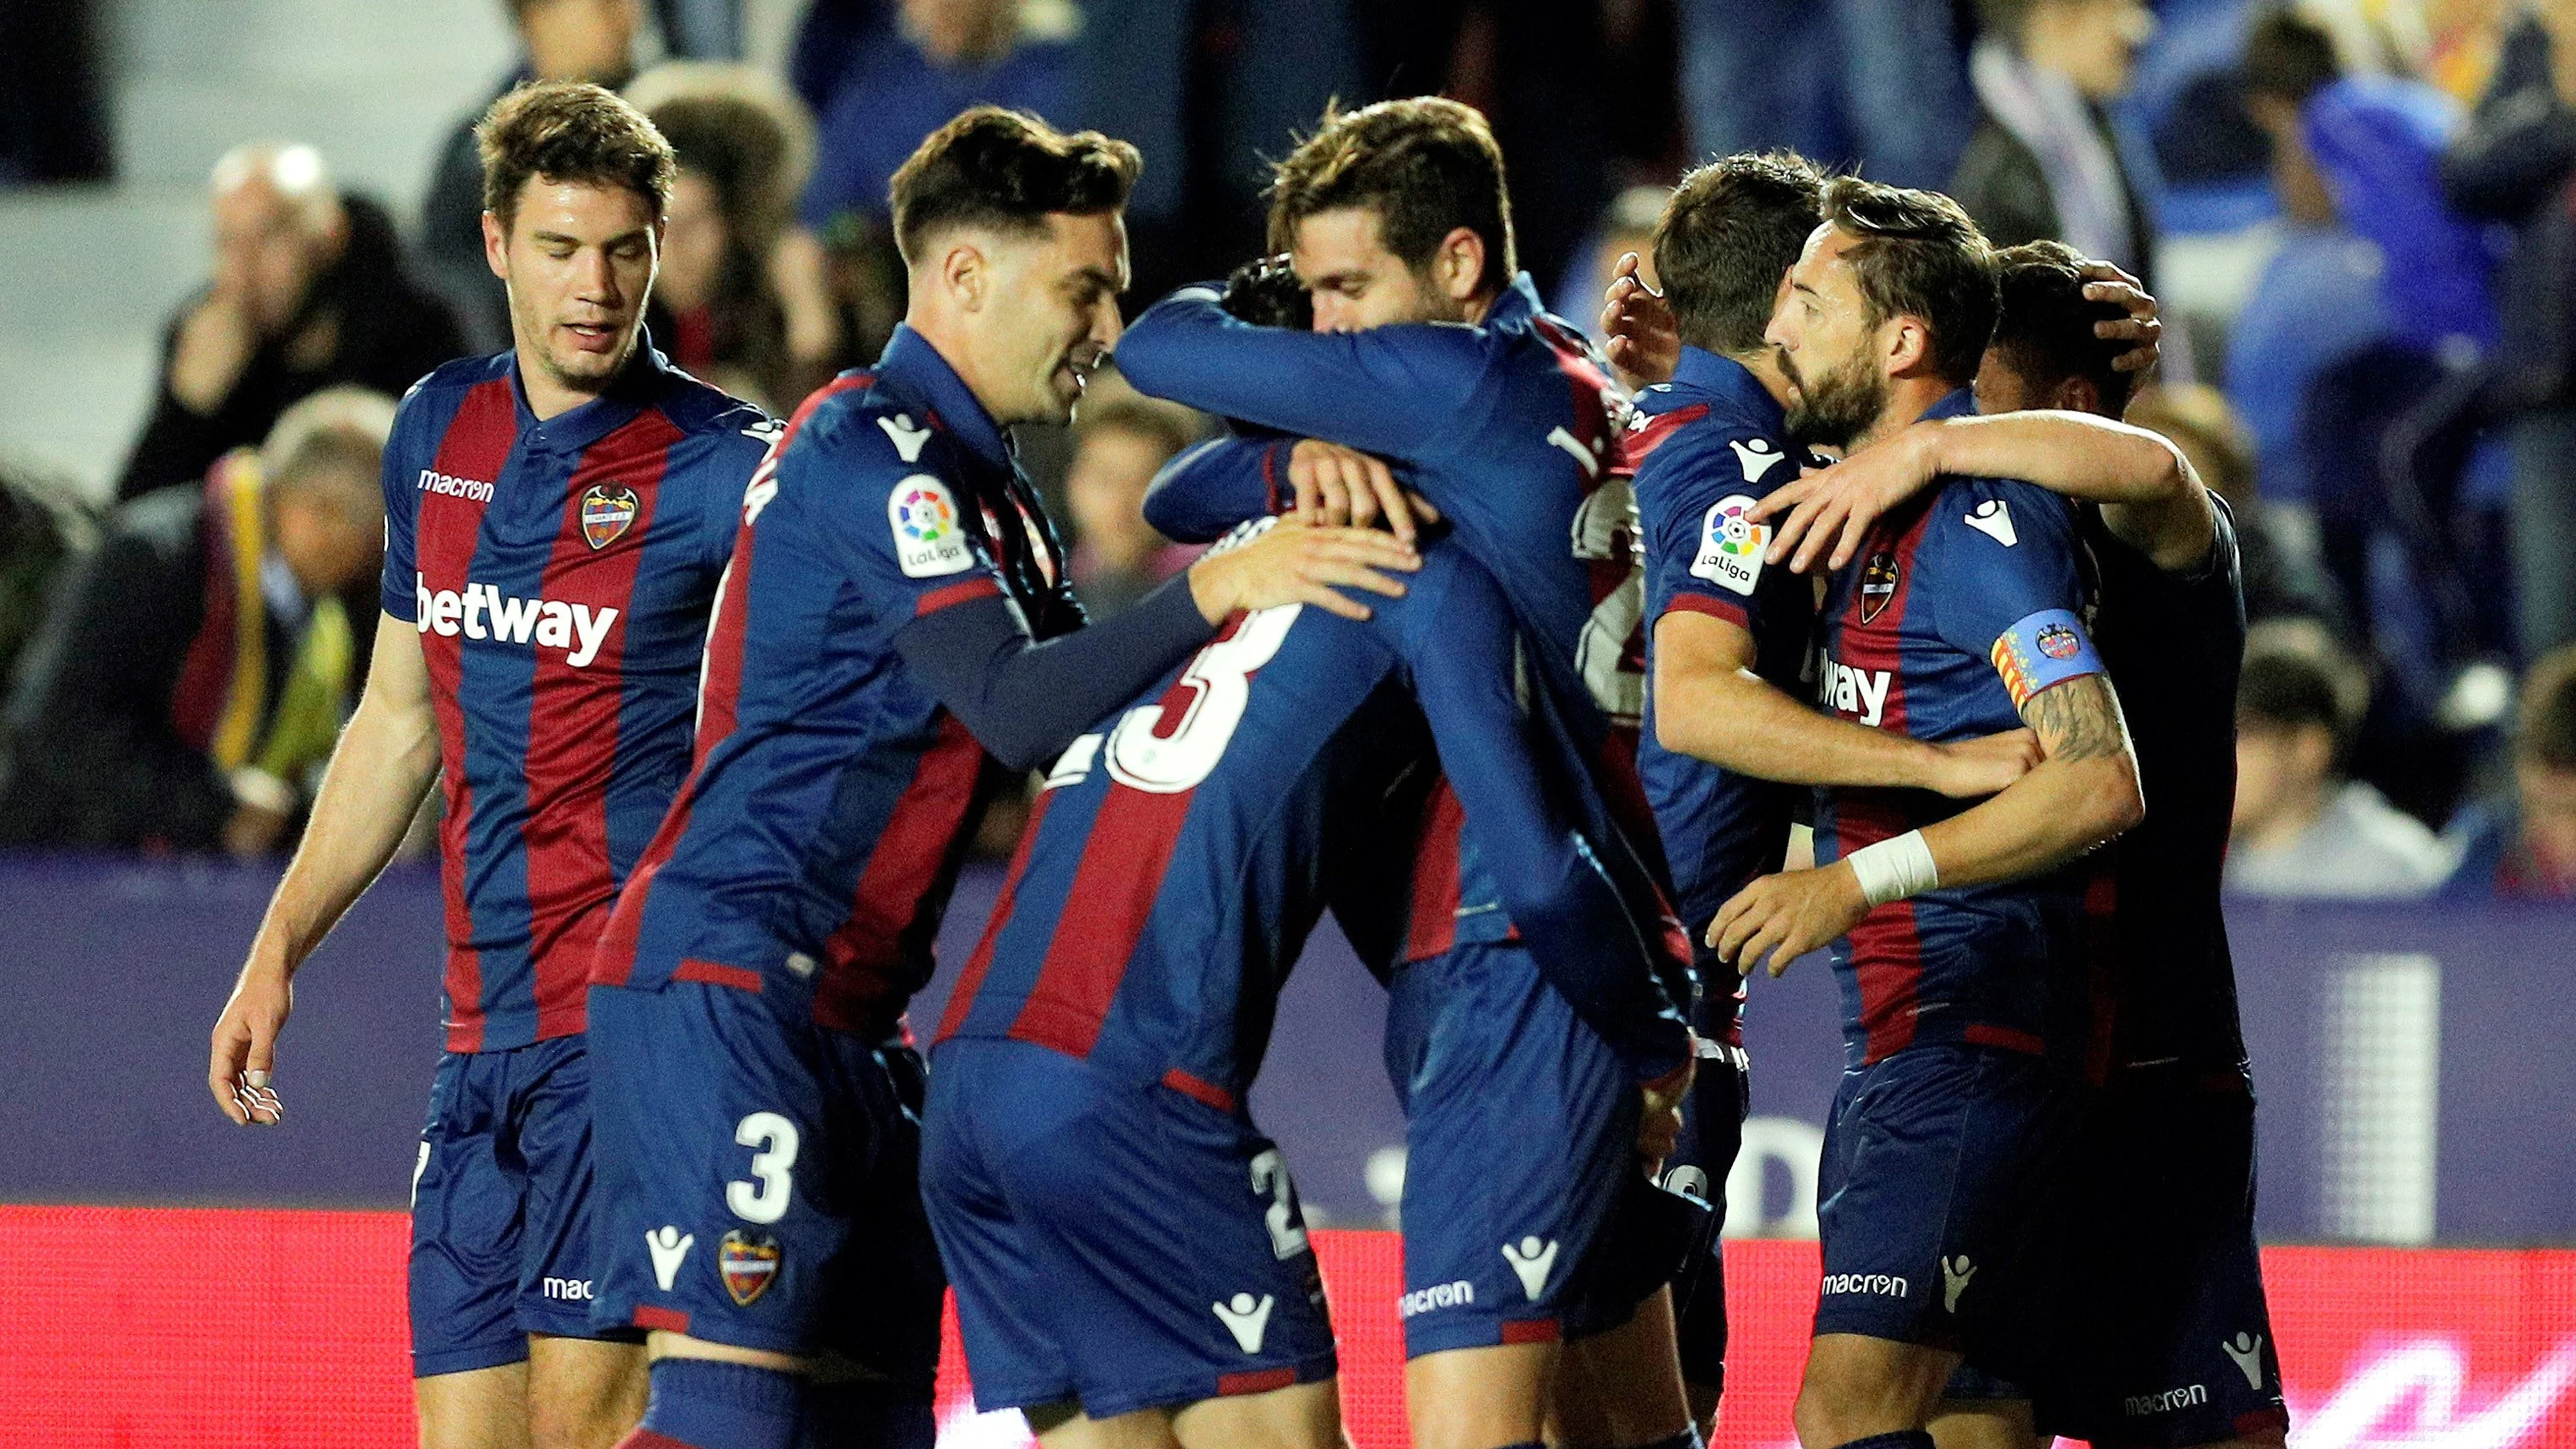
{"x": 773, "y": 1140}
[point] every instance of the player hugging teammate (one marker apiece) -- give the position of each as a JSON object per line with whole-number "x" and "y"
{"x": 718, "y": 703}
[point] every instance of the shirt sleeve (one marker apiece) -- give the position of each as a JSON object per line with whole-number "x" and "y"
{"x": 896, "y": 527}
{"x": 1522, "y": 810}
{"x": 1223, "y": 482}
{"x": 2011, "y": 590}
{"x": 1695, "y": 495}
{"x": 1405, "y": 392}
{"x": 402, "y": 511}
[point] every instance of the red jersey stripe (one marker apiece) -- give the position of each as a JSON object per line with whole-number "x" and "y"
{"x": 1113, "y": 893}
{"x": 1199, "y": 1090}
{"x": 919, "y": 838}
{"x": 711, "y": 973}
{"x": 1434, "y": 925}
{"x": 1731, "y": 612}
{"x": 961, "y": 997}
{"x": 963, "y": 591}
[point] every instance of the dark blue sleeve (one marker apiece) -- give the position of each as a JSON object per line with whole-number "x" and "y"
{"x": 1582, "y": 929}
{"x": 1404, "y": 392}
{"x": 1026, "y": 700}
{"x": 1222, "y": 482}
{"x": 402, "y": 510}
{"x": 2011, "y": 591}
{"x": 1703, "y": 554}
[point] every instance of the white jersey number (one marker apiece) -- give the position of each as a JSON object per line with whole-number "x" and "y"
{"x": 773, "y": 1140}
{"x": 1164, "y": 749}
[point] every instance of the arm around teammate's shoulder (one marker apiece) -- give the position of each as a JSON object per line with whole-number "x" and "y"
{"x": 379, "y": 771}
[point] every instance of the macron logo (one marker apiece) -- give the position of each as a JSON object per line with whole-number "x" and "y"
{"x": 448, "y": 485}
{"x": 483, "y": 612}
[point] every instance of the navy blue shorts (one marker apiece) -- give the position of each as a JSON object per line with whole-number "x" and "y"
{"x": 1119, "y": 1245}
{"x": 501, "y": 1204}
{"x": 1527, "y": 1216}
{"x": 1944, "y": 1169}
{"x": 1712, "y": 1135}
{"x": 759, "y": 1179}
{"x": 2169, "y": 1342}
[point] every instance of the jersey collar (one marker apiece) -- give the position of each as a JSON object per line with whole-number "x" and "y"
{"x": 1961, "y": 403}
{"x": 1516, "y": 305}
{"x": 1728, "y": 386}
{"x": 634, "y": 390}
{"x": 917, "y": 368}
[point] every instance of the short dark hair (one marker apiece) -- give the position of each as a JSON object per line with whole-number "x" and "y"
{"x": 2545, "y": 732}
{"x": 1005, "y": 171}
{"x": 1920, "y": 256}
{"x": 2045, "y": 330}
{"x": 1731, "y": 230}
{"x": 1426, "y": 165}
{"x": 2287, "y": 57}
{"x": 2291, "y": 689}
{"x": 570, "y": 131}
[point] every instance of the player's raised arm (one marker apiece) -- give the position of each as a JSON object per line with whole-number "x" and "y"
{"x": 1598, "y": 943}
{"x": 2150, "y": 495}
{"x": 381, "y": 768}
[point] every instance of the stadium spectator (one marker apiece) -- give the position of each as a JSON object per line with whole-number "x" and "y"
{"x": 2300, "y": 828}
{"x": 1121, "y": 441}
{"x": 2283, "y": 579}
{"x": 2044, "y": 163}
{"x": 743, "y": 145}
{"x": 700, "y": 29}
{"x": 2513, "y": 164}
{"x": 2528, "y": 850}
{"x": 45, "y": 526}
{"x": 1878, "y": 83}
{"x": 200, "y": 661}
{"x": 1627, "y": 226}
{"x": 310, "y": 290}
{"x": 592, "y": 40}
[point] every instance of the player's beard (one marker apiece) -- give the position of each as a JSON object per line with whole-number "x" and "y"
{"x": 1831, "y": 409}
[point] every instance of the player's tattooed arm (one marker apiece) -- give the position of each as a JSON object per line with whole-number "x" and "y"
{"x": 2079, "y": 720}
{"x": 2084, "y": 793}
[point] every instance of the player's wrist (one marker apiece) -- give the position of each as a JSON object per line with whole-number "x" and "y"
{"x": 1215, "y": 584}
{"x": 1893, "y": 870}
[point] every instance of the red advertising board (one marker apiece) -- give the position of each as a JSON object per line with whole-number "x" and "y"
{"x": 284, "y": 1330}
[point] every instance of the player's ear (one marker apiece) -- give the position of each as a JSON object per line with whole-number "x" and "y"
{"x": 966, "y": 274}
{"x": 1908, "y": 340}
{"x": 1458, "y": 267}
{"x": 2077, "y": 395}
{"x": 496, "y": 247}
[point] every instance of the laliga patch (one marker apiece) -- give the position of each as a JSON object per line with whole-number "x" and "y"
{"x": 1731, "y": 545}
{"x": 1756, "y": 456}
{"x": 749, "y": 1264}
{"x": 2048, "y": 648}
{"x": 1878, "y": 581}
{"x": 929, "y": 534}
{"x": 606, "y": 514}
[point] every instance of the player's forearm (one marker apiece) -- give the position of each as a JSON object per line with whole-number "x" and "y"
{"x": 1214, "y": 486}
{"x": 2055, "y": 813}
{"x": 1186, "y": 349}
{"x": 380, "y": 770}
{"x": 1739, "y": 721}
{"x": 2150, "y": 497}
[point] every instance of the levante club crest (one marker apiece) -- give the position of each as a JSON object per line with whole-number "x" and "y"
{"x": 749, "y": 1263}
{"x": 1878, "y": 580}
{"x": 606, "y": 514}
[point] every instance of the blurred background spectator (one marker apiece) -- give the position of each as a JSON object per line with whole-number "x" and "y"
{"x": 1120, "y": 441}
{"x": 199, "y": 665}
{"x": 1882, "y": 84}
{"x": 592, "y": 40}
{"x": 2044, "y": 163}
{"x": 311, "y": 289}
{"x": 2527, "y": 848}
{"x": 2302, "y": 828}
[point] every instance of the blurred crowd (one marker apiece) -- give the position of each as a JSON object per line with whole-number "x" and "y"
{"x": 2390, "y": 404}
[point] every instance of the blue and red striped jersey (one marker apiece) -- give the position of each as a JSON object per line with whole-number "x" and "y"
{"x": 559, "y": 573}
{"x": 1701, "y": 451}
{"x": 1180, "y": 856}
{"x": 1959, "y": 606}
{"x": 814, "y": 845}
{"x": 1510, "y": 428}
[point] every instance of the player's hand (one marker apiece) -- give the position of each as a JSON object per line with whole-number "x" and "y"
{"x": 1785, "y": 916}
{"x": 1340, "y": 487}
{"x": 213, "y": 347}
{"x": 1297, "y": 564}
{"x": 1974, "y": 769}
{"x": 1834, "y": 507}
{"x": 1645, "y": 342}
{"x": 245, "y": 1046}
{"x": 2104, "y": 282}
{"x": 1659, "y": 1127}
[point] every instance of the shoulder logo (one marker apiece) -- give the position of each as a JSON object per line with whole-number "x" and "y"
{"x": 907, "y": 436}
{"x": 1878, "y": 580}
{"x": 1993, "y": 518}
{"x": 929, "y": 537}
{"x": 767, "y": 430}
{"x": 606, "y": 514}
{"x": 1247, "y": 1318}
{"x": 1731, "y": 545}
{"x": 1756, "y": 456}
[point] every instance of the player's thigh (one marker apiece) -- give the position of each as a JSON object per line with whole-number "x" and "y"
{"x": 1480, "y": 1398}
{"x": 1984, "y": 1424}
{"x": 1065, "y": 1426}
{"x": 485, "y": 1408}
{"x": 1857, "y": 1387}
{"x": 1297, "y": 1416}
{"x": 583, "y": 1393}
{"x": 468, "y": 1220}
{"x": 551, "y": 1136}
{"x": 1624, "y": 1386}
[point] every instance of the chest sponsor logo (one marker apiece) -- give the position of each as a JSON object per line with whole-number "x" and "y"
{"x": 448, "y": 485}
{"x": 484, "y": 612}
{"x": 606, "y": 514}
{"x": 929, "y": 536}
{"x": 1878, "y": 580}
{"x": 1860, "y": 693}
{"x": 1731, "y": 545}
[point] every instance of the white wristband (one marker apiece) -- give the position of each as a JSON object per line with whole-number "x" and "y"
{"x": 1894, "y": 869}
